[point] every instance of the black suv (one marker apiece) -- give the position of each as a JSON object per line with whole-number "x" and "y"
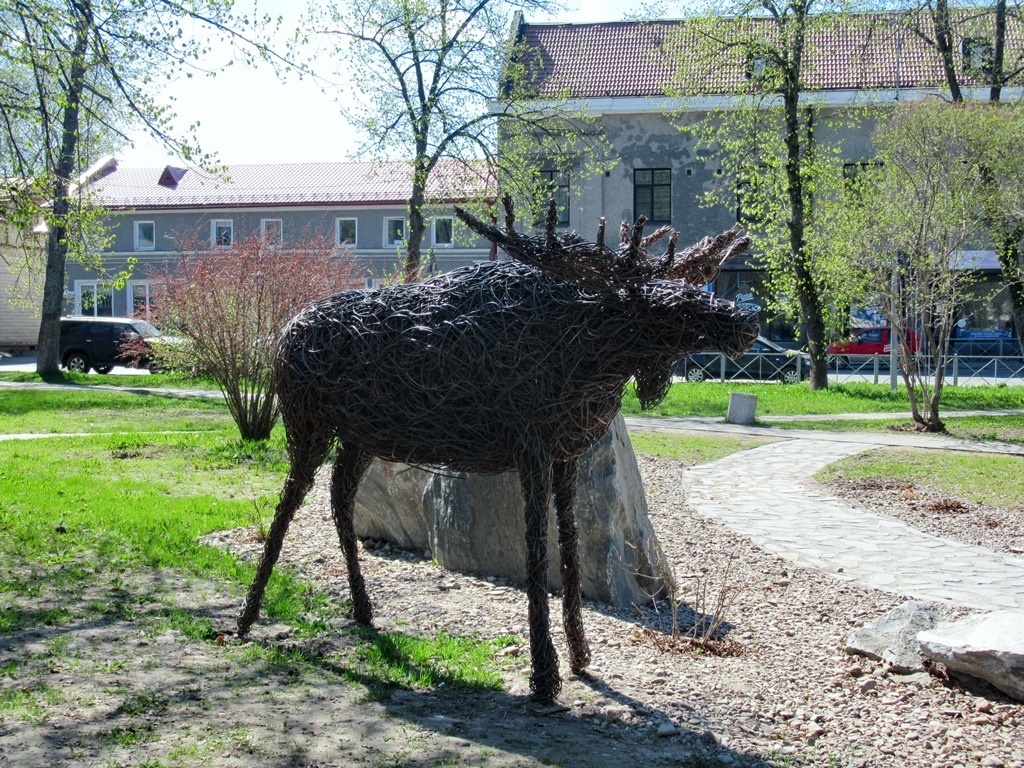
{"x": 94, "y": 342}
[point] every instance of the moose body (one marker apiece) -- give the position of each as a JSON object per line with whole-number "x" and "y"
{"x": 491, "y": 368}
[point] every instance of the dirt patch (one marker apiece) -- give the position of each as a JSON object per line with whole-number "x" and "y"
{"x": 930, "y": 509}
{"x": 139, "y": 679}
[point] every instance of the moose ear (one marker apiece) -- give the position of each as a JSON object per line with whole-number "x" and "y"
{"x": 700, "y": 264}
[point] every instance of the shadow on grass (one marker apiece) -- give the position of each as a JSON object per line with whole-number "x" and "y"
{"x": 146, "y": 681}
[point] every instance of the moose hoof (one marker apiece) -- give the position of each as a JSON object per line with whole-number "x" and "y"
{"x": 545, "y": 688}
{"x": 246, "y": 618}
{"x": 579, "y": 659}
{"x": 362, "y": 612}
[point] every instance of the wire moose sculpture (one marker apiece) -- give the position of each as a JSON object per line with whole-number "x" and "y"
{"x": 501, "y": 366}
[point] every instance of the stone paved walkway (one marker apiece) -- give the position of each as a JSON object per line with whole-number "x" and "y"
{"x": 778, "y": 508}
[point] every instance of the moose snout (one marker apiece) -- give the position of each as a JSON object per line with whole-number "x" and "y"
{"x": 743, "y": 333}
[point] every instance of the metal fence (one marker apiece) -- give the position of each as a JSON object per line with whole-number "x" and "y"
{"x": 772, "y": 366}
{"x": 973, "y": 369}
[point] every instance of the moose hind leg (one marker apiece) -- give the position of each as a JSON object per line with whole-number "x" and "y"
{"x": 306, "y": 458}
{"x": 535, "y": 478}
{"x": 568, "y": 546}
{"x": 349, "y": 467}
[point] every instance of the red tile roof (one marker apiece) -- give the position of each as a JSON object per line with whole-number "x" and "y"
{"x": 642, "y": 59}
{"x": 298, "y": 184}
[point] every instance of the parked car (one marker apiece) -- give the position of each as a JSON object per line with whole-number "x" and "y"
{"x": 95, "y": 342}
{"x": 764, "y": 361}
{"x": 866, "y": 342}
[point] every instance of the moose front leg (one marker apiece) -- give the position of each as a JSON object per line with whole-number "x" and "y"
{"x": 568, "y": 546}
{"x": 306, "y": 459}
{"x": 349, "y": 466}
{"x": 535, "y": 478}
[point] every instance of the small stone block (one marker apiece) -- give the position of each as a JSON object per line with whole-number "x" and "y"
{"x": 742, "y": 408}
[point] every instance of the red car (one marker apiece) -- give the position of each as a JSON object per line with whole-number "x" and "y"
{"x": 866, "y": 342}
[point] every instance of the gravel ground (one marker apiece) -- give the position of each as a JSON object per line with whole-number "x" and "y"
{"x": 791, "y": 697}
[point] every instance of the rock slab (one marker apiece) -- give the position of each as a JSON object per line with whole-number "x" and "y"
{"x": 475, "y": 523}
{"x": 892, "y": 637}
{"x": 989, "y": 646}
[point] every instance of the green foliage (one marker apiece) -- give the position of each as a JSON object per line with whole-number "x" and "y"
{"x": 904, "y": 223}
{"x": 780, "y": 155}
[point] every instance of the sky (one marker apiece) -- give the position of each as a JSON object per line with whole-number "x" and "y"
{"x": 248, "y": 115}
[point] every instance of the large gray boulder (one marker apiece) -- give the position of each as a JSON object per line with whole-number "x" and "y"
{"x": 475, "y": 523}
{"x": 892, "y": 637}
{"x": 989, "y": 646}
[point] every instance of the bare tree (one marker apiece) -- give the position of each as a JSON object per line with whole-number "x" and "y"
{"x": 435, "y": 80}
{"x": 75, "y": 76}
{"x": 910, "y": 218}
{"x": 983, "y": 47}
{"x": 228, "y": 307}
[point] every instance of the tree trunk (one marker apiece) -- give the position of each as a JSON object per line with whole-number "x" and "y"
{"x": 48, "y": 351}
{"x": 998, "y": 53}
{"x": 944, "y": 45}
{"x": 807, "y": 294}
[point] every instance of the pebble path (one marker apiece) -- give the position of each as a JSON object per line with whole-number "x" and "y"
{"x": 780, "y": 510}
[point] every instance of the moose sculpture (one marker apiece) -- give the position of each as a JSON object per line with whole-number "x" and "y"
{"x": 502, "y": 366}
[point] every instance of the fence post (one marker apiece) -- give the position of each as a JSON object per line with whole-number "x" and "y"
{"x": 875, "y": 356}
{"x": 721, "y": 367}
{"x": 956, "y": 368}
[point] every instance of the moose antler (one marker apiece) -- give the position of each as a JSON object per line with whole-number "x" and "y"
{"x": 700, "y": 264}
{"x": 569, "y": 257}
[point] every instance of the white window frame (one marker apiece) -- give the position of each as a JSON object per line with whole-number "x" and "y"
{"x": 405, "y": 230}
{"x": 80, "y": 285}
{"x": 138, "y": 245}
{"x": 355, "y": 230}
{"x": 146, "y": 287}
{"x": 213, "y": 232}
{"x": 263, "y": 232}
{"x": 451, "y": 220}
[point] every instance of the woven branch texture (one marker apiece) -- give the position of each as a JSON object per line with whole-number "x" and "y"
{"x": 516, "y": 365}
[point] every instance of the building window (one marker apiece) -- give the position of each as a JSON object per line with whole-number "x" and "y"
{"x": 345, "y": 232}
{"x": 222, "y": 233}
{"x": 141, "y": 294}
{"x": 757, "y": 67}
{"x": 444, "y": 229}
{"x": 978, "y": 56}
{"x": 272, "y": 232}
{"x": 652, "y": 194}
{"x": 556, "y": 187}
{"x": 145, "y": 236}
{"x": 92, "y": 298}
{"x": 394, "y": 231}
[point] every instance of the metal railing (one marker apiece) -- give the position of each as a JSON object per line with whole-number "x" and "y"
{"x": 960, "y": 369}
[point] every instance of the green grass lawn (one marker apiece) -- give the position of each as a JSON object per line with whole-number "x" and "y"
{"x": 159, "y": 381}
{"x": 712, "y": 399}
{"x": 90, "y": 515}
{"x": 1002, "y": 428}
{"x": 37, "y": 411}
{"x": 994, "y": 480}
{"x": 691, "y": 449}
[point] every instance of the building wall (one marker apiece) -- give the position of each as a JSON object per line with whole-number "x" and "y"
{"x": 179, "y": 228}
{"x": 19, "y": 306}
{"x": 651, "y": 140}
